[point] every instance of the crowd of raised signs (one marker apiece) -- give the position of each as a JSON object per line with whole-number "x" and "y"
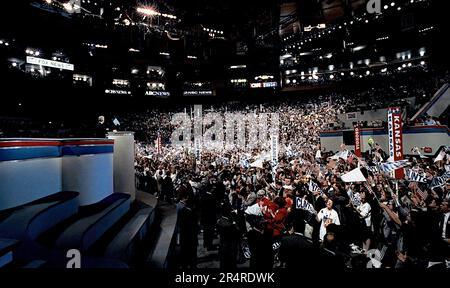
{"x": 347, "y": 211}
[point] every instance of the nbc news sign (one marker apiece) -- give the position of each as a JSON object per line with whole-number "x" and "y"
{"x": 50, "y": 63}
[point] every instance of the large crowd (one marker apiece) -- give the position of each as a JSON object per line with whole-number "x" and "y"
{"x": 298, "y": 212}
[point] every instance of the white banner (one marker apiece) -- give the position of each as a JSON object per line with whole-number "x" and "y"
{"x": 50, "y": 63}
{"x": 274, "y": 148}
{"x": 354, "y": 176}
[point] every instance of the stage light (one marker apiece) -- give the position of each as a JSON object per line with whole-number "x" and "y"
{"x": 342, "y": 73}
{"x": 399, "y": 68}
{"x": 20, "y": 104}
{"x": 409, "y": 64}
{"x": 404, "y": 65}
{"x": 367, "y": 21}
{"x": 386, "y": 7}
{"x": 288, "y": 72}
{"x": 367, "y": 72}
{"x": 147, "y": 11}
{"x": 422, "y": 63}
{"x": 1, "y": 42}
{"x": 14, "y": 64}
{"x": 48, "y": 1}
{"x": 294, "y": 81}
{"x": 288, "y": 81}
{"x": 68, "y": 7}
{"x": 392, "y": 4}
{"x": 331, "y": 76}
{"x": 6, "y": 44}
{"x": 303, "y": 77}
{"x": 422, "y": 52}
{"x": 32, "y": 70}
{"x": 399, "y": 8}
{"x": 36, "y": 53}
{"x": 352, "y": 73}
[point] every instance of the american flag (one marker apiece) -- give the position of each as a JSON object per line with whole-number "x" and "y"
{"x": 158, "y": 144}
{"x": 392, "y": 166}
{"x": 422, "y": 194}
{"x": 355, "y": 198}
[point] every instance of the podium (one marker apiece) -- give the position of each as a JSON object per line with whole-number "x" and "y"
{"x": 123, "y": 162}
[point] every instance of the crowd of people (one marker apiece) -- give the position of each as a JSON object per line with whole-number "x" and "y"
{"x": 298, "y": 212}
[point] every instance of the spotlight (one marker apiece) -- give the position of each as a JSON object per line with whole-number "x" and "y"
{"x": 68, "y": 7}
{"x": 422, "y": 63}
{"x": 393, "y": 4}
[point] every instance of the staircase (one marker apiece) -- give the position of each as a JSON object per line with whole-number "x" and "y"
{"x": 437, "y": 104}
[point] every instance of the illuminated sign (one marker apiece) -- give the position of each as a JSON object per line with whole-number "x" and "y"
{"x": 157, "y": 93}
{"x": 198, "y": 93}
{"x": 50, "y": 63}
{"x": 117, "y": 92}
{"x": 264, "y": 85}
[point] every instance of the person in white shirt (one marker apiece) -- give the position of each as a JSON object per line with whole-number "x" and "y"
{"x": 365, "y": 212}
{"x": 327, "y": 216}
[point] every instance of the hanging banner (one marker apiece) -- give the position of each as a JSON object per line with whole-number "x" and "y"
{"x": 274, "y": 149}
{"x": 198, "y": 150}
{"x": 395, "y": 131}
{"x": 358, "y": 144}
